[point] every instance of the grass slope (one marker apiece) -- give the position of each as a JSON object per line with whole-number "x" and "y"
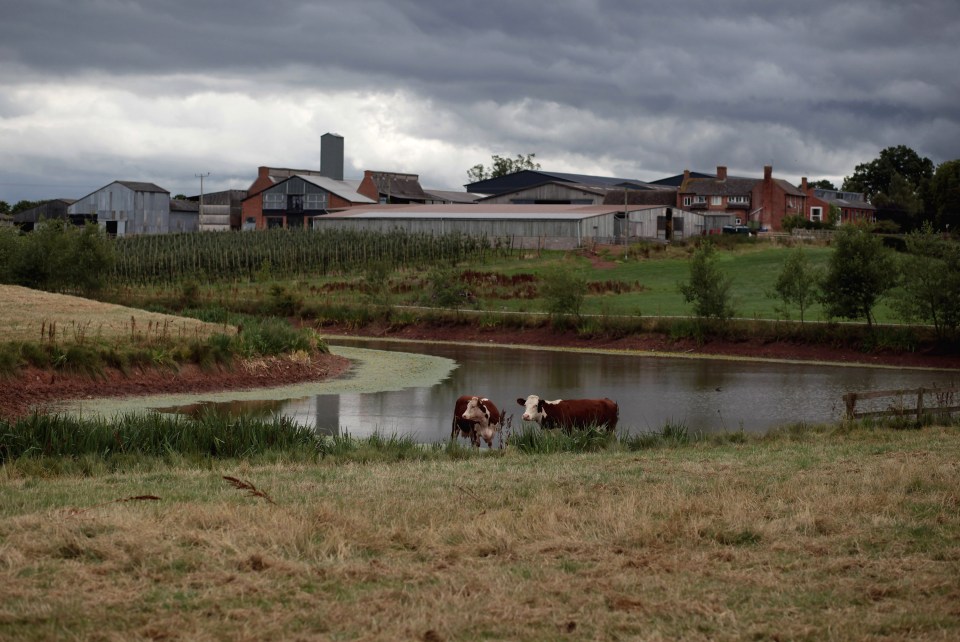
{"x": 32, "y": 315}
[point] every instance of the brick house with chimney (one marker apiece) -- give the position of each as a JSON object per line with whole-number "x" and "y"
{"x": 852, "y": 207}
{"x": 761, "y": 203}
{"x": 283, "y": 197}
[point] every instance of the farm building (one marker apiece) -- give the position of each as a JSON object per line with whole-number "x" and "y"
{"x": 545, "y": 226}
{"x": 28, "y": 219}
{"x": 126, "y": 208}
{"x": 184, "y": 216}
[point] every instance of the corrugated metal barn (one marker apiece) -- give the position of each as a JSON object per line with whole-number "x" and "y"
{"x": 546, "y": 226}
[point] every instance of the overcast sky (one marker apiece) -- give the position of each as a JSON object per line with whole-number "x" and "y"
{"x": 93, "y": 91}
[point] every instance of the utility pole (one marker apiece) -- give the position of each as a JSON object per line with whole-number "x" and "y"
{"x": 201, "y": 219}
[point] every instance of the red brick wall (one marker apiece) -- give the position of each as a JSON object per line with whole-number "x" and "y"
{"x": 770, "y": 195}
{"x": 368, "y": 188}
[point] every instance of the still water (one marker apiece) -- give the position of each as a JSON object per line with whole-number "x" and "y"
{"x": 705, "y": 395}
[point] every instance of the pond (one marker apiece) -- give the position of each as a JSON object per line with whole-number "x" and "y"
{"x": 410, "y": 388}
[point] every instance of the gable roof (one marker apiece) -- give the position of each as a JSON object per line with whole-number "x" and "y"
{"x": 141, "y": 187}
{"x": 858, "y": 201}
{"x": 712, "y": 186}
{"x": 479, "y": 211}
{"x": 677, "y": 179}
{"x": 184, "y": 205}
{"x": 395, "y": 184}
{"x": 346, "y": 190}
{"x": 531, "y": 177}
{"x": 454, "y": 196}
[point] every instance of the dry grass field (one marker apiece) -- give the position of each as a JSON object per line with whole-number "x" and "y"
{"x": 33, "y": 315}
{"x": 843, "y": 536}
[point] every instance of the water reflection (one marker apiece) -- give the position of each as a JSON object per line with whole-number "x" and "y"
{"x": 705, "y": 395}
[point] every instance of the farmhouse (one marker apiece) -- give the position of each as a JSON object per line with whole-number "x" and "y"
{"x": 760, "y": 202}
{"x": 534, "y": 226}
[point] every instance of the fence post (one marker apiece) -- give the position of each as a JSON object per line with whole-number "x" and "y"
{"x": 919, "y": 404}
{"x": 850, "y": 399}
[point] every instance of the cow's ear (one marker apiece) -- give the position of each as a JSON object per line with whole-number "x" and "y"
{"x": 540, "y": 406}
{"x": 522, "y": 402}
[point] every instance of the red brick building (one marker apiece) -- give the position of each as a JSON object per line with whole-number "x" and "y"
{"x": 852, "y": 207}
{"x": 281, "y": 197}
{"x": 743, "y": 201}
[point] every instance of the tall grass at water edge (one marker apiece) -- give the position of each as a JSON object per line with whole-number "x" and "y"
{"x": 137, "y": 438}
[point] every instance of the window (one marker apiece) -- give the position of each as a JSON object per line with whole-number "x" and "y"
{"x": 274, "y": 201}
{"x": 314, "y": 201}
{"x": 738, "y": 199}
{"x": 739, "y": 221}
{"x": 716, "y": 200}
{"x": 699, "y": 199}
{"x": 274, "y": 221}
{"x": 816, "y": 214}
{"x": 687, "y": 200}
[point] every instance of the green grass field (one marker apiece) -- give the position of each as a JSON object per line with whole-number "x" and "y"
{"x": 753, "y": 267}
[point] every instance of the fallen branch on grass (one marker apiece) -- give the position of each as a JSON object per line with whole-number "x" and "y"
{"x": 252, "y": 490}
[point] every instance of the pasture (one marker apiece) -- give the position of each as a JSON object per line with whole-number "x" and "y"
{"x": 845, "y": 533}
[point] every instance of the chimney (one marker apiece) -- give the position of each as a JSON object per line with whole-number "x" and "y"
{"x": 686, "y": 174}
{"x": 331, "y": 156}
{"x": 803, "y": 184}
{"x": 721, "y": 172}
{"x": 263, "y": 172}
{"x": 767, "y": 172}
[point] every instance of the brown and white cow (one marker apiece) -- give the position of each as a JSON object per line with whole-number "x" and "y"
{"x": 570, "y": 413}
{"x": 475, "y": 418}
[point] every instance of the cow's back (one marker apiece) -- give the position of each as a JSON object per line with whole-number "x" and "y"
{"x": 583, "y": 413}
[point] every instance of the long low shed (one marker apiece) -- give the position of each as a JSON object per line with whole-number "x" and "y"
{"x": 545, "y": 226}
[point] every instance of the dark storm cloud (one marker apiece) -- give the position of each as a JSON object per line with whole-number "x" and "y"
{"x": 810, "y": 87}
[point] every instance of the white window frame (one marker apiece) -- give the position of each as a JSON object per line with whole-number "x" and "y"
{"x": 688, "y": 200}
{"x": 274, "y": 201}
{"x": 816, "y": 214}
{"x": 699, "y": 199}
{"x": 716, "y": 200}
{"x": 316, "y": 201}
{"x": 738, "y": 199}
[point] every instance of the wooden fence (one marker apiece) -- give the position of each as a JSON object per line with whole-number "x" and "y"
{"x": 919, "y": 401}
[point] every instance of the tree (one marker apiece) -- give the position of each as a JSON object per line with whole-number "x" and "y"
{"x": 899, "y": 195}
{"x": 945, "y": 195}
{"x": 874, "y": 177}
{"x": 445, "y": 289}
{"x": 820, "y": 184}
{"x": 22, "y": 205}
{"x": 92, "y": 257}
{"x": 563, "y": 291}
{"x": 501, "y": 166}
{"x": 798, "y": 283}
{"x": 930, "y": 282}
{"x": 708, "y": 288}
{"x": 860, "y": 271}
{"x": 4, "y": 207}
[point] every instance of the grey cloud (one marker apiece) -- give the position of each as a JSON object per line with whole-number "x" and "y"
{"x": 745, "y": 82}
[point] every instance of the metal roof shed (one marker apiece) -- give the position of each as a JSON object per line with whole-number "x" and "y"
{"x": 546, "y": 226}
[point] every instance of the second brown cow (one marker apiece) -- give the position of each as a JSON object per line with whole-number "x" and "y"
{"x": 571, "y": 413}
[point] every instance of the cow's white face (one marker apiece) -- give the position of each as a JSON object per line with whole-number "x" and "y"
{"x": 477, "y": 412}
{"x": 533, "y": 409}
